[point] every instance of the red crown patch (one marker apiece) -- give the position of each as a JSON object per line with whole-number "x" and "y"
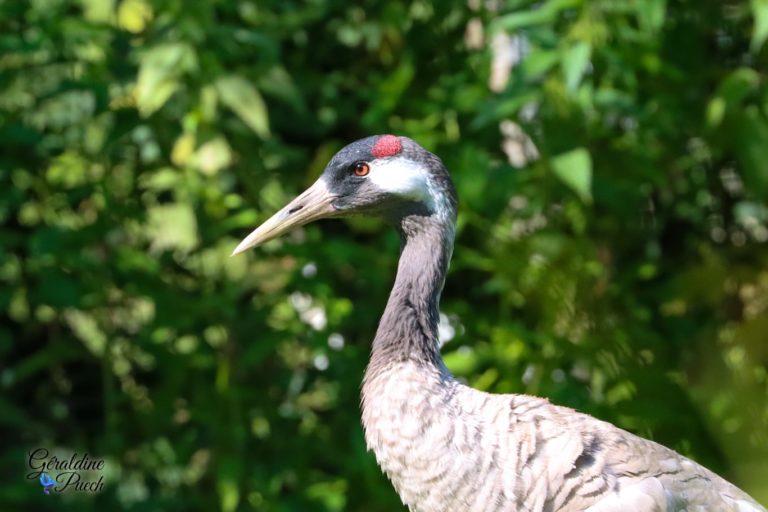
{"x": 387, "y": 145}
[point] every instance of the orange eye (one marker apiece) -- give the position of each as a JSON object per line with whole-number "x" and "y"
{"x": 361, "y": 169}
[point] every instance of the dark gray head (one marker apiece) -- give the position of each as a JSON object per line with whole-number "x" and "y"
{"x": 384, "y": 175}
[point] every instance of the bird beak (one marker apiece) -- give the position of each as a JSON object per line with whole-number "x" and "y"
{"x": 314, "y": 203}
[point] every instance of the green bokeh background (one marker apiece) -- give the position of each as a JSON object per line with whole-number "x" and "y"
{"x": 617, "y": 263}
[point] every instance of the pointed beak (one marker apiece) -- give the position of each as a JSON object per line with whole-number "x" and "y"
{"x": 313, "y": 204}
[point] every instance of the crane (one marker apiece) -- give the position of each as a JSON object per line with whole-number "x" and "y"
{"x": 445, "y": 446}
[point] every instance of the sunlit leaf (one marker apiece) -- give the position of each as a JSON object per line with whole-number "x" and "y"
{"x": 98, "y": 11}
{"x": 545, "y": 13}
{"x": 651, "y": 14}
{"x": 230, "y": 469}
{"x": 172, "y": 226}
{"x": 85, "y": 327}
{"x": 737, "y": 85}
{"x": 159, "y": 73}
{"x": 731, "y": 92}
{"x": 331, "y": 494}
{"x": 243, "y": 98}
{"x": 539, "y": 62}
{"x": 183, "y": 149}
{"x": 212, "y": 156}
{"x": 132, "y": 15}
{"x": 574, "y": 168}
{"x": 760, "y": 30}
{"x": 162, "y": 179}
{"x": 716, "y": 111}
{"x": 574, "y": 61}
{"x": 461, "y": 362}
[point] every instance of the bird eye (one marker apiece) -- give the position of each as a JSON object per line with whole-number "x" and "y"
{"x": 361, "y": 169}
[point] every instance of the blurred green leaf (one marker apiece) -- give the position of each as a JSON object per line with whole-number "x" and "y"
{"x": 751, "y": 144}
{"x": 540, "y": 61}
{"x": 574, "y": 169}
{"x": 731, "y": 92}
{"x": 172, "y": 226}
{"x": 243, "y": 98}
{"x": 574, "y": 63}
{"x": 132, "y": 15}
{"x": 760, "y": 30}
{"x": 330, "y": 494}
{"x": 87, "y": 329}
{"x": 545, "y": 13}
{"x": 651, "y": 14}
{"x": 716, "y": 111}
{"x": 229, "y": 494}
{"x": 160, "y": 71}
{"x": 737, "y": 85}
{"x": 212, "y": 156}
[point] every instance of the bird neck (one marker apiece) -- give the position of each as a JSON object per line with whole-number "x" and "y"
{"x": 408, "y": 327}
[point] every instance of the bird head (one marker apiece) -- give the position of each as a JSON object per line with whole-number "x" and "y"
{"x": 384, "y": 175}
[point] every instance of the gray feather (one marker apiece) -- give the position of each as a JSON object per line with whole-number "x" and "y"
{"x": 447, "y": 447}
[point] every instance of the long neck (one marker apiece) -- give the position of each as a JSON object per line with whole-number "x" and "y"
{"x": 408, "y": 327}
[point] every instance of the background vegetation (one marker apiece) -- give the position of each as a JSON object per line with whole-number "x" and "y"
{"x": 612, "y": 161}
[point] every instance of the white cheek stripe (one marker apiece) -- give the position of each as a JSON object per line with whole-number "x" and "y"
{"x": 409, "y": 180}
{"x": 402, "y": 177}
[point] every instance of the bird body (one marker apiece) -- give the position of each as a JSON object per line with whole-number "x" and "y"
{"x": 447, "y": 447}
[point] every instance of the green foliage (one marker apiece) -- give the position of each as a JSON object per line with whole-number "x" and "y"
{"x": 574, "y": 168}
{"x": 617, "y": 265}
